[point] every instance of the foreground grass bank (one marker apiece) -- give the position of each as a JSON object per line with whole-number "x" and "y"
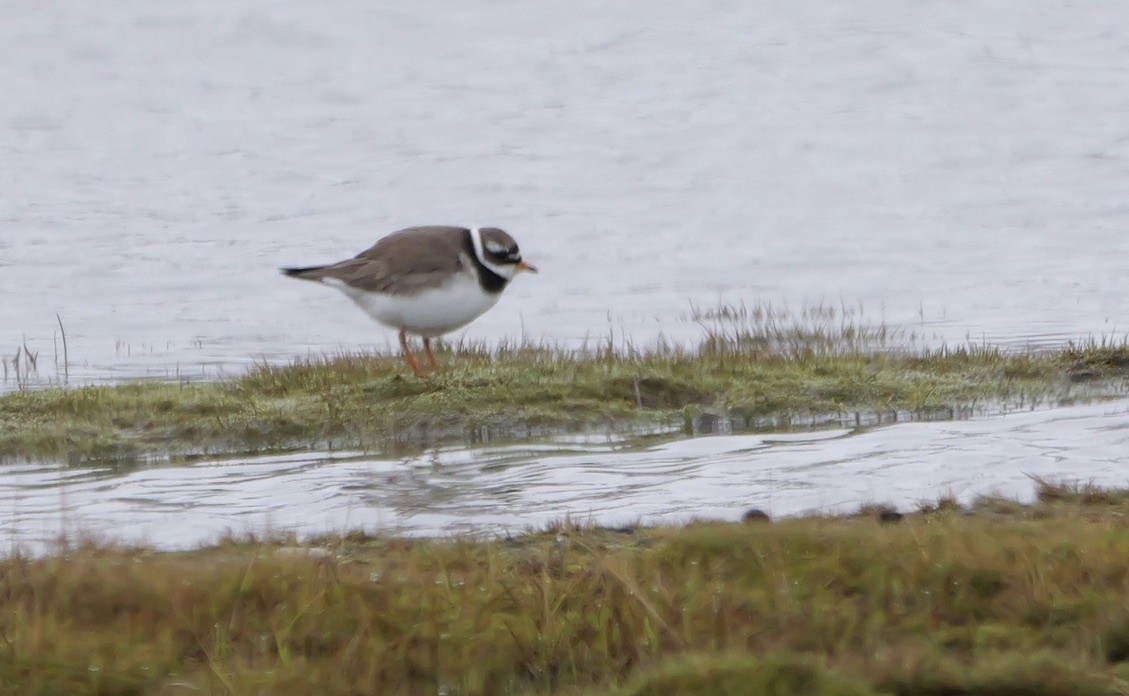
{"x": 995, "y": 599}
{"x": 370, "y": 402}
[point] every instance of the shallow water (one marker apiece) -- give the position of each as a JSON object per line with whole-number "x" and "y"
{"x": 510, "y": 489}
{"x": 959, "y": 169}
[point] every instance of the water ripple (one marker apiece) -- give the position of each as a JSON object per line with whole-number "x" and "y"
{"x": 509, "y": 489}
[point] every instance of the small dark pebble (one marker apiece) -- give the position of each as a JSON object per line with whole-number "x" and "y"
{"x": 889, "y": 516}
{"x": 755, "y": 515}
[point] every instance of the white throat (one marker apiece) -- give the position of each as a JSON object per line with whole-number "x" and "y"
{"x": 507, "y": 271}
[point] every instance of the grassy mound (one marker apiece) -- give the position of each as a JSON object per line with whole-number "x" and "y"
{"x": 757, "y": 367}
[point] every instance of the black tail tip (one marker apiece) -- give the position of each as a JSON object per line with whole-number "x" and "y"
{"x": 297, "y": 272}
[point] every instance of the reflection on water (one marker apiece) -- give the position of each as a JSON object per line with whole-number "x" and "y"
{"x": 508, "y": 489}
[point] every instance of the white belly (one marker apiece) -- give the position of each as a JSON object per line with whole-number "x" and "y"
{"x": 428, "y": 313}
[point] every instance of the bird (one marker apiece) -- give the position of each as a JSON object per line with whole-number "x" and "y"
{"x": 425, "y": 281}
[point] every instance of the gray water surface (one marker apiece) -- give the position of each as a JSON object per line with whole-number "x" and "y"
{"x": 958, "y": 168}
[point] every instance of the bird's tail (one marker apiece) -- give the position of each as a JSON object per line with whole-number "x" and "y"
{"x": 305, "y": 272}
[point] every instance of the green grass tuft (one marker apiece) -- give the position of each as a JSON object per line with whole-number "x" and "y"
{"x": 757, "y": 368}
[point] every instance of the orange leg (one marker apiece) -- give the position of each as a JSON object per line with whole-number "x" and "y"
{"x": 408, "y": 353}
{"x": 430, "y": 355}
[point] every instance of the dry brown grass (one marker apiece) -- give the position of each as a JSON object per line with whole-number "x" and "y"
{"x": 948, "y": 601}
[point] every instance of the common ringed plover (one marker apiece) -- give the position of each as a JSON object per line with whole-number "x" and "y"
{"x": 425, "y": 280}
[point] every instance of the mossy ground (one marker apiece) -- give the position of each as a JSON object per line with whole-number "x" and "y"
{"x": 988, "y": 600}
{"x": 361, "y": 401}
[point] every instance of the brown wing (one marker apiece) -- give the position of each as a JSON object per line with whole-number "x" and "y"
{"x": 406, "y": 261}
